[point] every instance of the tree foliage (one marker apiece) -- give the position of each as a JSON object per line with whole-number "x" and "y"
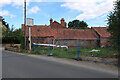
{"x": 12, "y": 36}
{"x": 114, "y": 21}
{"x": 114, "y": 25}
{"x": 19, "y": 37}
{"x": 76, "y": 24}
{"x": 9, "y": 35}
{"x": 3, "y": 22}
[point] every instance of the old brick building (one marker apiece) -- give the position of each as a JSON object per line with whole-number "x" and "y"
{"x": 60, "y": 31}
{"x": 102, "y": 33}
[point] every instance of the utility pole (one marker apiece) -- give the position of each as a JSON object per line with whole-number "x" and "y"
{"x": 29, "y": 37}
{"x": 25, "y": 23}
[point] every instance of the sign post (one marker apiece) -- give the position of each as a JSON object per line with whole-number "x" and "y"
{"x": 29, "y": 24}
{"x": 25, "y": 23}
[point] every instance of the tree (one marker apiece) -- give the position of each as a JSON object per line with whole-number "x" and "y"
{"x": 114, "y": 24}
{"x": 76, "y": 24}
{"x": 9, "y": 35}
{"x": 114, "y": 21}
{"x": 19, "y": 37}
{"x": 1, "y": 18}
{"x": 3, "y": 22}
{"x": 5, "y": 30}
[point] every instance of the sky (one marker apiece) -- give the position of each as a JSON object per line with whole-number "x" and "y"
{"x": 93, "y": 12}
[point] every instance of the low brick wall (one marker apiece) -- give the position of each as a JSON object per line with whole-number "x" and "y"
{"x": 74, "y": 43}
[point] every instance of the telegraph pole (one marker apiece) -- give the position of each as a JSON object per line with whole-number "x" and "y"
{"x": 25, "y": 23}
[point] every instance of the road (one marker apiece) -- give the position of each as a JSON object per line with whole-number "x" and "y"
{"x": 22, "y": 66}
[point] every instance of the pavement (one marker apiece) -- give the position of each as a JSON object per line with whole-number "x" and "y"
{"x": 18, "y": 65}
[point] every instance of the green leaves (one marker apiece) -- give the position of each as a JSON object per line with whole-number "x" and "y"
{"x": 114, "y": 21}
{"x": 114, "y": 24}
{"x": 76, "y": 24}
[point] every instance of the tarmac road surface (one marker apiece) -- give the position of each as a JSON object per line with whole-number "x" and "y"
{"x": 15, "y": 65}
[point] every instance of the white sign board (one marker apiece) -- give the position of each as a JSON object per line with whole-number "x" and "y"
{"x": 30, "y": 22}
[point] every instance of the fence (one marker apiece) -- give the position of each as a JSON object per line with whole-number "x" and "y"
{"x": 97, "y": 50}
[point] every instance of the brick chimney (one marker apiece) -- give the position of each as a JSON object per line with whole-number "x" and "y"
{"x": 51, "y": 21}
{"x": 63, "y": 23}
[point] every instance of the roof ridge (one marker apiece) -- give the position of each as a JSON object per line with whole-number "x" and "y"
{"x": 40, "y": 25}
{"x": 99, "y": 27}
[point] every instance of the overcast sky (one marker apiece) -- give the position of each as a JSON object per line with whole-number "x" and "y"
{"x": 94, "y": 12}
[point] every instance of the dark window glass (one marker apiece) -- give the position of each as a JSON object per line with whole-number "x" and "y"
{"x": 38, "y": 30}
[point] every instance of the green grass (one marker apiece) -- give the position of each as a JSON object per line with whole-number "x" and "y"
{"x": 64, "y": 52}
{"x": 104, "y": 52}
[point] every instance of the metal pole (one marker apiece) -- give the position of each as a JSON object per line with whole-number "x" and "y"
{"x": 33, "y": 45}
{"x": 78, "y": 49}
{"x": 25, "y": 23}
{"x": 49, "y": 48}
{"x": 29, "y": 38}
{"x": 53, "y": 43}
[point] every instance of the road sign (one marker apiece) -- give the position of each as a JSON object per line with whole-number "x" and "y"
{"x": 30, "y": 22}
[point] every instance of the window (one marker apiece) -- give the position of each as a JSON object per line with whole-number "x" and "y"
{"x": 38, "y": 30}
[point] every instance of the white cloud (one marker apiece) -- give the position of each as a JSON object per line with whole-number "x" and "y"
{"x": 6, "y": 13}
{"x": 16, "y": 3}
{"x": 34, "y": 10}
{"x": 89, "y": 8}
{"x": 4, "y": 2}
